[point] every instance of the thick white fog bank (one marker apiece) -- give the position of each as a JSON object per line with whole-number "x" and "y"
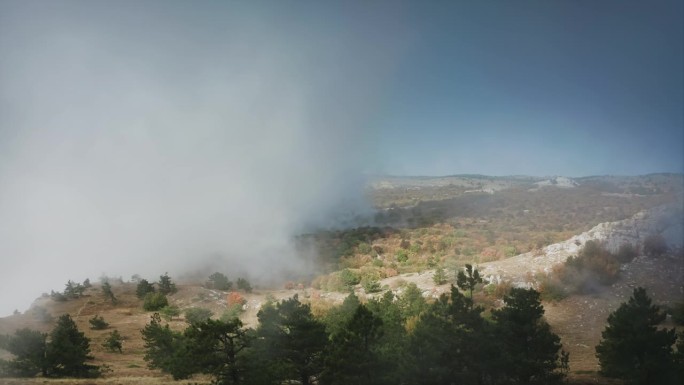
{"x": 144, "y": 140}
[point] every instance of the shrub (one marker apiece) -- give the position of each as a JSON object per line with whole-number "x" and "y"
{"x": 550, "y": 289}
{"x": 402, "y": 256}
{"x": 415, "y": 248}
{"x": 364, "y": 248}
{"x": 42, "y": 315}
{"x": 655, "y": 245}
{"x": 510, "y": 251}
{"x": 439, "y": 278}
{"x": 155, "y": 301}
{"x": 168, "y": 312}
{"x": 197, "y": 315}
{"x": 370, "y": 284}
{"x": 349, "y": 278}
{"x": 594, "y": 265}
{"x": 98, "y": 323}
{"x": 236, "y": 298}
{"x": 626, "y": 253}
{"x": 233, "y": 311}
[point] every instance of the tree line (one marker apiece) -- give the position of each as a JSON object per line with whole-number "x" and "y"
{"x": 393, "y": 339}
{"x": 388, "y": 340}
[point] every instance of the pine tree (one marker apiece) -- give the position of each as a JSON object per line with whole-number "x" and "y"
{"x": 243, "y": 284}
{"x": 530, "y": 352}
{"x": 293, "y": 340}
{"x": 439, "y": 278}
{"x": 411, "y": 302}
{"x": 469, "y": 279}
{"x": 68, "y": 351}
{"x": 219, "y": 281}
{"x": 166, "y": 286}
{"x": 218, "y": 348}
{"x": 633, "y": 348}
{"x": 107, "y": 292}
{"x": 113, "y": 342}
{"x": 353, "y": 357}
{"x": 143, "y": 288}
{"x": 450, "y": 343}
{"x": 167, "y": 350}
{"x": 339, "y": 316}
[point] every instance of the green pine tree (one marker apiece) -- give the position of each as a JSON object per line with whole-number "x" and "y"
{"x": 530, "y": 352}
{"x": 68, "y": 350}
{"x": 354, "y": 357}
{"x": 293, "y": 340}
{"x": 143, "y": 288}
{"x": 114, "y": 342}
{"x": 633, "y": 348}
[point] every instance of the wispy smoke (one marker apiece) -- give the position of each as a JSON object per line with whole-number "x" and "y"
{"x": 141, "y": 140}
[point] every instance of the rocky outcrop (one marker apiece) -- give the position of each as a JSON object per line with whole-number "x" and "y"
{"x": 666, "y": 220}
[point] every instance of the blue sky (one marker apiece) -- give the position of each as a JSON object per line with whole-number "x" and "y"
{"x": 538, "y": 87}
{"x": 138, "y": 137}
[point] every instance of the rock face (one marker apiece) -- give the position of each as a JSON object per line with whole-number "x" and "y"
{"x": 559, "y": 181}
{"x": 667, "y": 220}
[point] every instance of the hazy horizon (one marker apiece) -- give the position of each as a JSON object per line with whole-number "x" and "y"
{"x": 141, "y": 137}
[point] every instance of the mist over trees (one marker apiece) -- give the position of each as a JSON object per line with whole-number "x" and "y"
{"x": 63, "y": 352}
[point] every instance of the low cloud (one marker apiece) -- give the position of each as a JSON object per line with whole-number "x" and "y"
{"x": 143, "y": 146}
